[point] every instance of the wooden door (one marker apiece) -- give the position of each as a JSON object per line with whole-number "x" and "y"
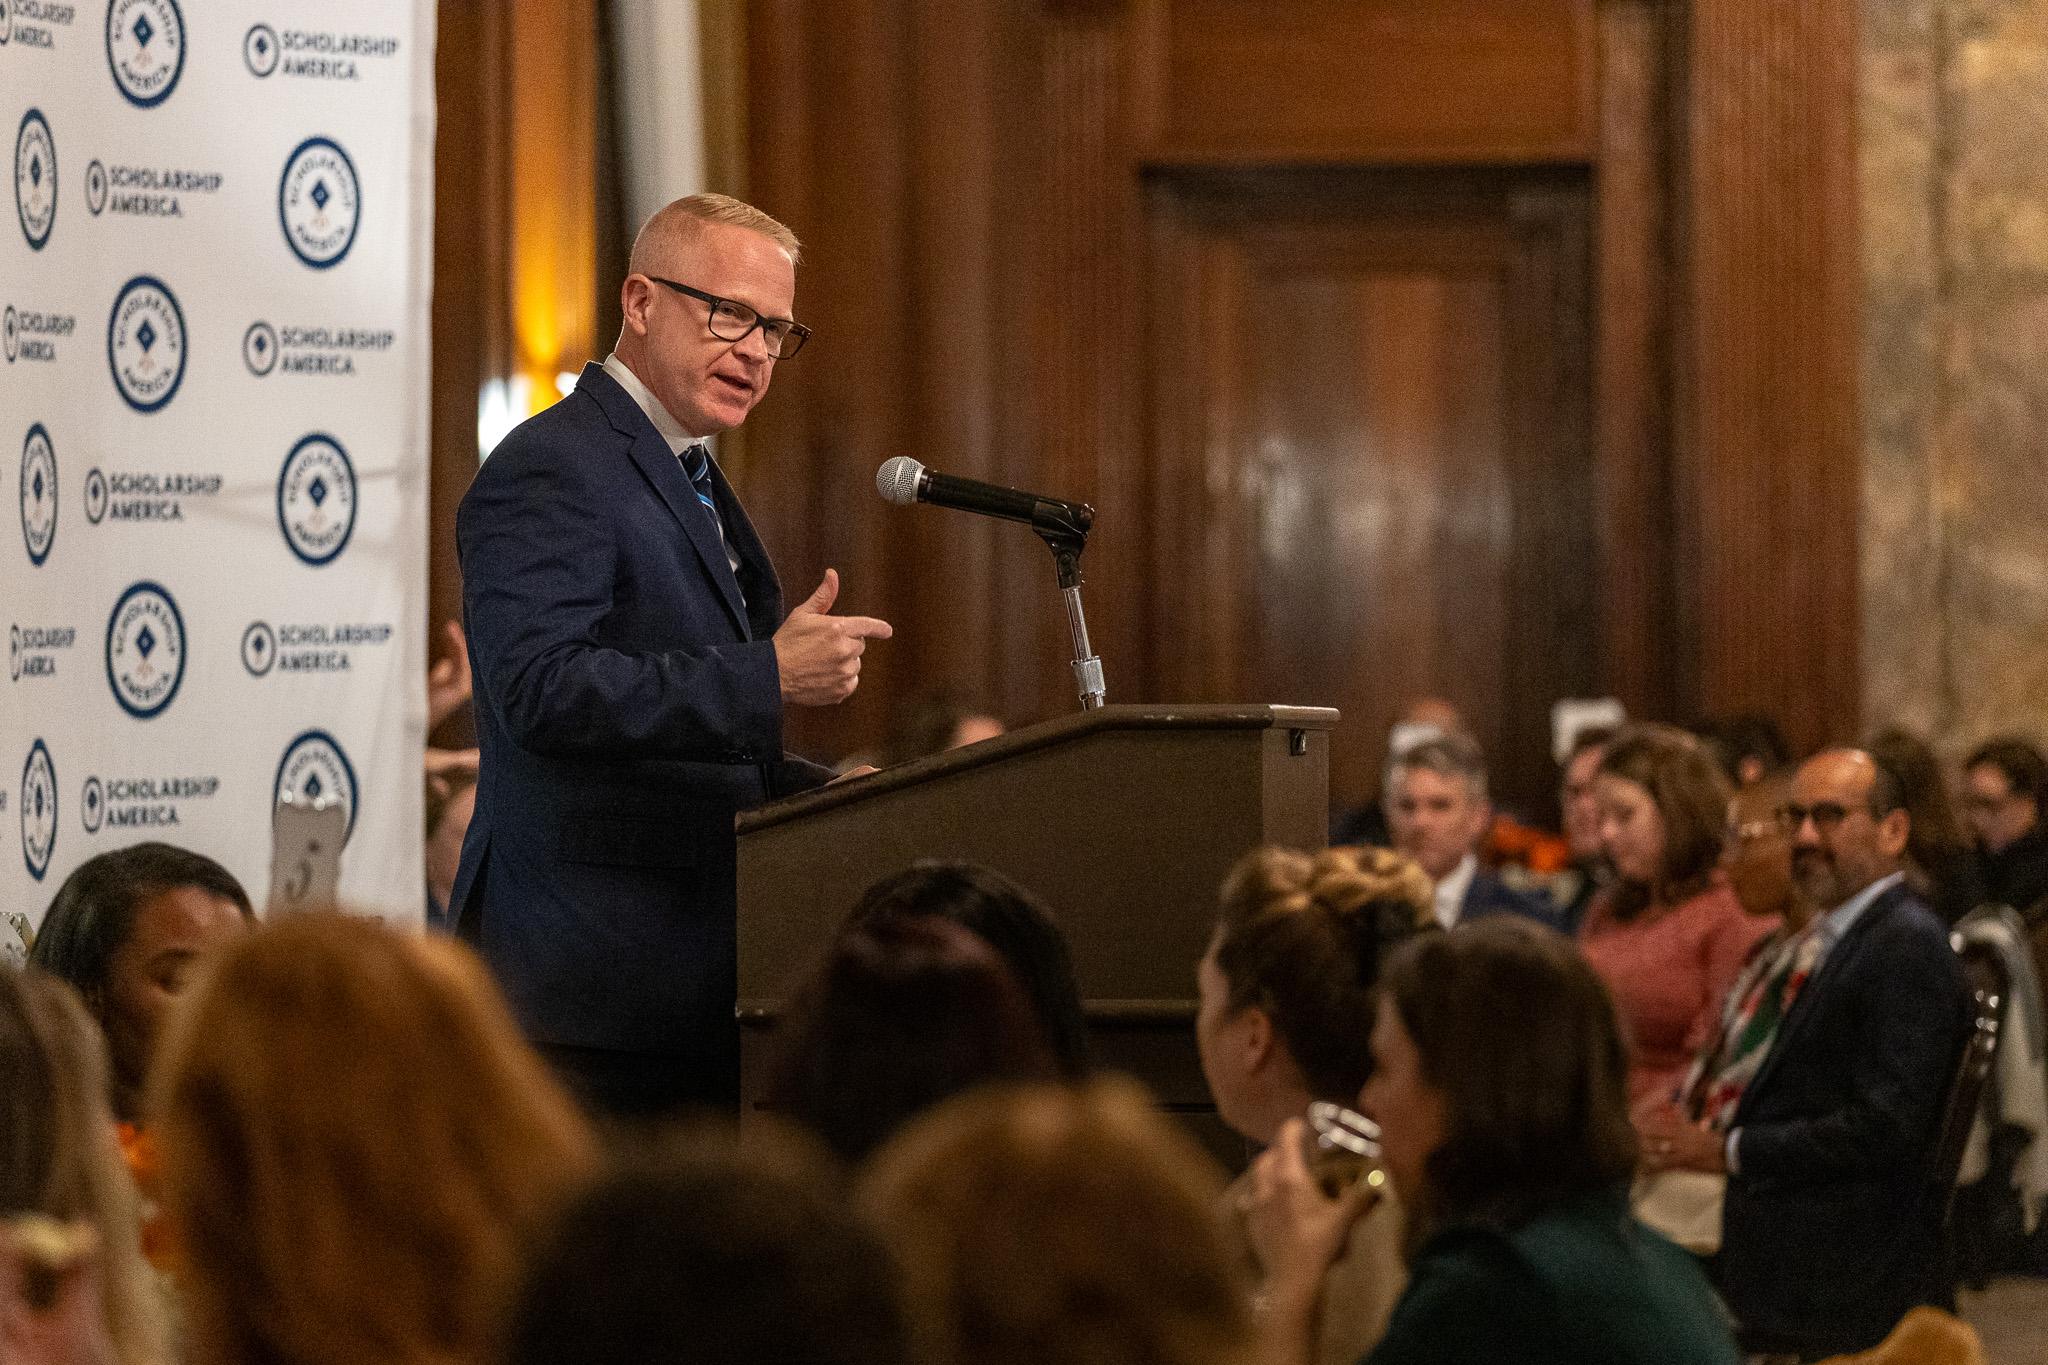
{"x": 1368, "y": 434}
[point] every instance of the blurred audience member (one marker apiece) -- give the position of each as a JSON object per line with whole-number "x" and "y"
{"x": 1010, "y": 920}
{"x": 2005, "y": 783}
{"x": 1511, "y": 1149}
{"x": 1749, "y": 746}
{"x": 1941, "y": 866}
{"x": 1439, "y": 811}
{"x": 1830, "y": 1230}
{"x": 698, "y": 1253}
{"x": 932, "y": 723}
{"x": 59, "y": 1164}
{"x": 1055, "y": 1226}
{"x": 1668, "y": 937}
{"x": 1287, "y": 990}
{"x": 1579, "y": 802}
{"x": 357, "y": 1149}
{"x": 1680, "y": 1131}
{"x": 901, "y": 1014}
{"x": 450, "y": 801}
{"x": 1424, "y": 718}
{"x": 126, "y": 930}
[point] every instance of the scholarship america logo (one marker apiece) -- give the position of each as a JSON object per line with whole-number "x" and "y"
{"x": 316, "y": 499}
{"x": 38, "y": 809}
{"x": 147, "y": 801}
{"x": 319, "y": 202}
{"x": 311, "y": 54}
{"x": 35, "y": 178}
{"x": 322, "y": 352}
{"x": 34, "y": 23}
{"x": 145, "y": 49}
{"x": 38, "y": 494}
{"x": 145, "y": 650}
{"x": 33, "y": 336}
{"x": 155, "y": 191}
{"x": 310, "y": 646}
{"x": 315, "y": 769}
{"x": 33, "y": 653}
{"x": 146, "y": 343}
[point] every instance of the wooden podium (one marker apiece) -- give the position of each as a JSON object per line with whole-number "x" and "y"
{"x": 1123, "y": 820}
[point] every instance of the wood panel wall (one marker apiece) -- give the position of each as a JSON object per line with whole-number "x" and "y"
{"x": 980, "y": 184}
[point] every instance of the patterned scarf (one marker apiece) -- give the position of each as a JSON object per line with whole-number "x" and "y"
{"x": 1757, "y": 1005}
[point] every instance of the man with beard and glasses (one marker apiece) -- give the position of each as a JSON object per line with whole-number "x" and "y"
{"x": 1831, "y": 1228}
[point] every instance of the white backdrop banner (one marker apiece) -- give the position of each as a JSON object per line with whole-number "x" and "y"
{"x": 213, "y": 417}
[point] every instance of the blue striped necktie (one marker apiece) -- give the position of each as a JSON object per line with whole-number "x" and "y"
{"x": 697, "y": 464}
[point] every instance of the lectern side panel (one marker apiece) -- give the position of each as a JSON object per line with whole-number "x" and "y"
{"x": 1296, "y": 775}
{"x": 1125, "y": 835}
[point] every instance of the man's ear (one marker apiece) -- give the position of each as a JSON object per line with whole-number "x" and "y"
{"x": 635, "y": 294}
{"x": 1893, "y": 831}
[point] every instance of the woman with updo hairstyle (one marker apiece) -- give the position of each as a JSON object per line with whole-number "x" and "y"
{"x": 1287, "y": 990}
{"x": 1668, "y": 937}
{"x": 1499, "y": 1085}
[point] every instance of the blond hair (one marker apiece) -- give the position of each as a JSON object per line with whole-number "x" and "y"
{"x": 1300, "y": 937}
{"x": 357, "y": 1147}
{"x": 58, "y": 1154}
{"x": 688, "y": 215}
{"x": 1053, "y": 1226}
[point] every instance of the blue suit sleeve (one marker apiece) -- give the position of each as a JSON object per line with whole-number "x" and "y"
{"x": 1912, "y": 1012}
{"x": 540, "y": 566}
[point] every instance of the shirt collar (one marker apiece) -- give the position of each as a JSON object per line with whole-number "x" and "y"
{"x": 1843, "y": 917}
{"x": 1450, "y": 892}
{"x": 671, "y": 430}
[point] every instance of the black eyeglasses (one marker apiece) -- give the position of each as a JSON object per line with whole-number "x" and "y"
{"x": 731, "y": 320}
{"x": 1826, "y": 815}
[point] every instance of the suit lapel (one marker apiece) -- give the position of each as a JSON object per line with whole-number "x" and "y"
{"x": 1812, "y": 994}
{"x": 762, "y": 590}
{"x": 658, "y": 464}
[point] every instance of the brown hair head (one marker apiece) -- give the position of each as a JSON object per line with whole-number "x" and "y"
{"x": 58, "y": 1156}
{"x": 1691, "y": 795}
{"x": 356, "y": 1147}
{"x": 1535, "y": 1115}
{"x": 1301, "y": 938}
{"x": 1048, "y": 1226}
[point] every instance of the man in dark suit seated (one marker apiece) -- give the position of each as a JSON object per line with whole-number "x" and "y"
{"x": 1830, "y": 1227}
{"x": 632, "y": 663}
{"x": 1438, "y": 811}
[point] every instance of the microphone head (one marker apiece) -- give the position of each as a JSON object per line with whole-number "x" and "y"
{"x": 897, "y": 480}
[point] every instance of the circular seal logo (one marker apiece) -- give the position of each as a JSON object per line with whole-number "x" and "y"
{"x": 38, "y": 494}
{"x": 6, "y": 32}
{"x": 315, "y": 768}
{"x": 35, "y": 178}
{"x": 318, "y": 202}
{"x": 92, "y": 805}
{"x": 145, "y": 48}
{"x": 316, "y": 498}
{"x": 259, "y": 50}
{"x": 259, "y": 648}
{"x": 10, "y": 331}
{"x": 145, "y": 650}
{"x": 14, "y": 654}
{"x": 95, "y": 496}
{"x": 38, "y": 810}
{"x": 259, "y": 348}
{"x": 146, "y": 343}
{"x": 95, "y": 187}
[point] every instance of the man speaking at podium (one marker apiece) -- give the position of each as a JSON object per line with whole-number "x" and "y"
{"x": 632, "y": 663}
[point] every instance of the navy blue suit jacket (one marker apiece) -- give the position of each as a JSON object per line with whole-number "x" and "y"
{"x": 1488, "y": 895}
{"x": 627, "y": 706}
{"x": 1828, "y": 1233}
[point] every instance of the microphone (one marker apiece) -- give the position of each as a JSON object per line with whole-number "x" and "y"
{"x": 903, "y": 481}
